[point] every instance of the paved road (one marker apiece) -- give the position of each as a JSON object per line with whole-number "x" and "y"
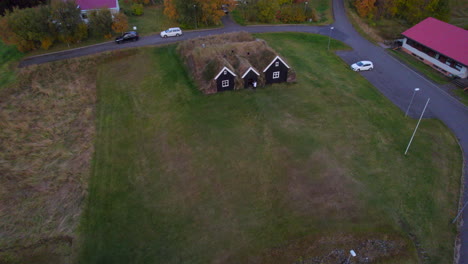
{"x": 395, "y": 80}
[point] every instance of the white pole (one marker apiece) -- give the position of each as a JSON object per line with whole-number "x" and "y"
{"x": 454, "y": 220}
{"x": 329, "y": 37}
{"x": 414, "y": 93}
{"x": 411, "y": 140}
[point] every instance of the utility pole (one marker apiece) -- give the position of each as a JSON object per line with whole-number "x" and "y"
{"x": 411, "y": 140}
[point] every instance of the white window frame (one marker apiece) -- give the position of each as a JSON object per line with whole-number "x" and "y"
{"x": 277, "y": 64}
{"x": 225, "y": 83}
{"x": 276, "y": 75}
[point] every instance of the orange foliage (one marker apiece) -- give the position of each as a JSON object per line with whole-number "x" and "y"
{"x": 120, "y": 23}
{"x": 365, "y": 8}
{"x": 170, "y": 9}
{"x": 211, "y": 11}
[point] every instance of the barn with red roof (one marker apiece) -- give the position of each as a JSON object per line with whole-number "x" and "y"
{"x": 440, "y": 45}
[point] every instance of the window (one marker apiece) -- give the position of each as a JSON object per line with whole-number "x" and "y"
{"x": 458, "y": 66}
{"x": 276, "y": 74}
{"x": 277, "y": 64}
{"x": 225, "y": 72}
{"x": 225, "y": 83}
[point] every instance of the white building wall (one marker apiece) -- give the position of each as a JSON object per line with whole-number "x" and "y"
{"x": 463, "y": 73}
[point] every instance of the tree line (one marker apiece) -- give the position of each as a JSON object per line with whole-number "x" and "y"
{"x": 284, "y": 11}
{"x": 190, "y": 13}
{"x": 44, "y": 25}
{"x": 411, "y": 11}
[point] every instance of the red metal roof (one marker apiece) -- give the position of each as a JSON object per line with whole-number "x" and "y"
{"x": 96, "y": 4}
{"x": 442, "y": 37}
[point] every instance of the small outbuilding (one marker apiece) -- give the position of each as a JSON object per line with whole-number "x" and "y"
{"x": 276, "y": 71}
{"x": 225, "y": 80}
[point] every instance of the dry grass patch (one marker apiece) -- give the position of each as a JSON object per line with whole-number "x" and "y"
{"x": 46, "y": 140}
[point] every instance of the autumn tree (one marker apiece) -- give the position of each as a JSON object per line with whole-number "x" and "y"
{"x": 267, "y": 10}
{"x": 365, "y": 8}
{"x": 120, "y": 23}
{"x": 8, "y": 5}
{"x": 100, "y": 22}
{"x": 29, "y": 28}
{"x": 193, "y": 12}
{"x": 68, "y": 19}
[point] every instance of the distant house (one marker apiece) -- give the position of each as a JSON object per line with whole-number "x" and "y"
{"x": 87, "y": 6}
{"x": 225, "y": 80}
{"x": 276, "y": 71}
{"x": 440, "y": 45}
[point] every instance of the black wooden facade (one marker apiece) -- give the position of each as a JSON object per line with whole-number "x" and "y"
{"x": 225, "y": 80}
{"x": 250, "y": 78}
{"x": 276, "y": 72}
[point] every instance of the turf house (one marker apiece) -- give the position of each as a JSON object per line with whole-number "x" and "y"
{"x": 230, "y": 62}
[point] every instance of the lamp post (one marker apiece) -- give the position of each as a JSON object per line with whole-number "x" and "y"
{"x": 305, "y": 6}
{"x": 414, "y": 93}
{"x": 195, "y": 10}
{"x": 329, "y": 37}
{"x": 351, "y": 254}
{"x": 417, "y": 125}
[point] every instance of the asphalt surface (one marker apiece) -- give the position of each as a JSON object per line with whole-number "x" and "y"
{"x": 394, "y": 79}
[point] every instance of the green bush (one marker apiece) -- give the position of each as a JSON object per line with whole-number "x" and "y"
{"x": 137, "y": 9}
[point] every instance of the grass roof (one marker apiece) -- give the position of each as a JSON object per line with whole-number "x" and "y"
{"x": 238, "y": 51}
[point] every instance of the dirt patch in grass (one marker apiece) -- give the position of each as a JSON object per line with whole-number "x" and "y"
{"x": 328, "y": 192}
{"x": 334, "y": 248}
{"x": 46, "y": 141}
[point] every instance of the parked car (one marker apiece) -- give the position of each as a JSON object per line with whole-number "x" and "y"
{"x": 127, "y": 36}
{"x": 171, "y": 32}
{"x": 362, "y": 66}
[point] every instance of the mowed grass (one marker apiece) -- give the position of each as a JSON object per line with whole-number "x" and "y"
{"x": 152, "y": 21}
{"x": 8, "y": 56}
{"x": 283, "y": 174}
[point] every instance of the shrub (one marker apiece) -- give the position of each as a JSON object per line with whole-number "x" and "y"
{"x": 120, "y": 23}
{"x": 137, "y": 9}
{"x": 46, "y": 43}
{"x": 100, "y": 22}
{"x": 81, "y": 32}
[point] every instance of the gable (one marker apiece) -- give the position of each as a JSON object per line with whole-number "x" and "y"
{"x": 273, "y": 61}
{"x": 248, "y": 70}
{"x": 222, "y": 71}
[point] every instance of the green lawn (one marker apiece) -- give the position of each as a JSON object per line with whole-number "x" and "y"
{"x": 462, "y": 95}
{"x": 8, "y": 56}
{"x": 278, "y": 175}
{"x": 152, "y": 21}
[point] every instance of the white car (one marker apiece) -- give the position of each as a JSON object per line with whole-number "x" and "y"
{"x": 172, "y": 32}
{"x": 362, "y": 66}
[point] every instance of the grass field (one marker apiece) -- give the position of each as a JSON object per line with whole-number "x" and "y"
{"x": 152, "y": 21}
{"x": 280, "y": 175}
{"x": 8, "y": 56}
{"x": 46, "y": 142}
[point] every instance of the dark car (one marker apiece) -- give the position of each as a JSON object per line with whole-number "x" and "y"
{"x": 127, "y": 36}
